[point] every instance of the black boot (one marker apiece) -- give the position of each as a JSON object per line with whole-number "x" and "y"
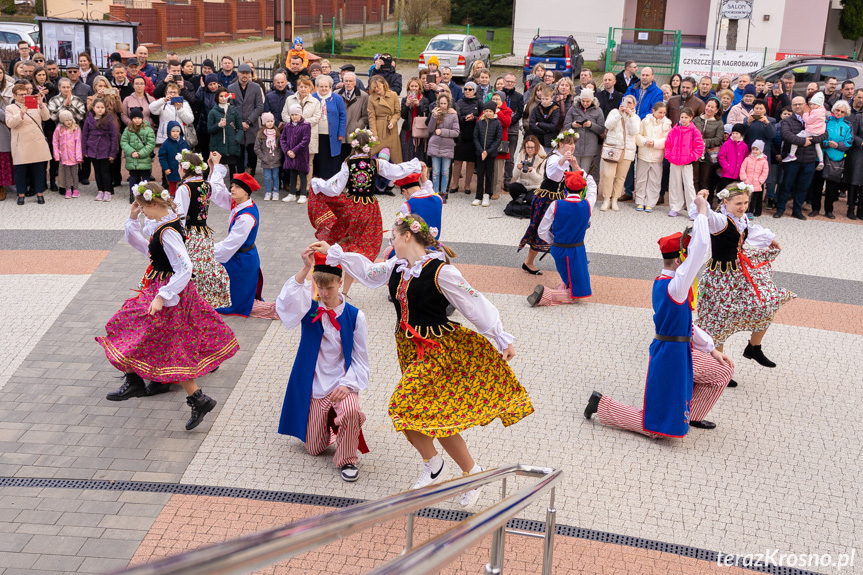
{"x": 133, "y": 386}
{"x": 157, "y": 388}
{"x": 201, "y": 405}
{"x": 592, "y": 404}
{"x": 732, "y": 383}
{"x": 703, "y": 424}
{"x": 754, "y": 352}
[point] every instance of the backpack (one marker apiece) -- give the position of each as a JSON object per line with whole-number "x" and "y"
{"x": 519, "y": 207}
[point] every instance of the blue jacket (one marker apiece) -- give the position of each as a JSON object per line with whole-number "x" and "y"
{"x": 274, "y": 102}
{"x": 169, "y": 150}
{"x": 738, "y": 95}
{"x": 458, "y": 94}
{"x": 337, "y": 116}
{"x": 150, "y": 71}
{"x": 838, "y": 131}
{"x": 226, "y": 80}
{"x": 652, "y": 95}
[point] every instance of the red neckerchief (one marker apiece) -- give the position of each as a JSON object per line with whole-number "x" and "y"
{"x": 329, "y": 313}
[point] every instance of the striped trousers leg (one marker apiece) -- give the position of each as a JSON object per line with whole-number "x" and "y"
{"x": 349, "y": 418}
{"x": 558, "y": 296}
{"x": 622, "y": 416}
{"x": 709, "y": 381}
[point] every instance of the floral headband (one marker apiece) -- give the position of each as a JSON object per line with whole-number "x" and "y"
{"x": 414, "y": 225}
{"x": 355, "y": 143}
{"x": 737, "y": 187}
{"x": 563, "y": 135}
{"x": 189, "y": 166}
{"x": 142, "y": 190}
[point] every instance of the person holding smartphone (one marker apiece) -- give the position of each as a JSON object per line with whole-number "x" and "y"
{"x": 30, "y": 151}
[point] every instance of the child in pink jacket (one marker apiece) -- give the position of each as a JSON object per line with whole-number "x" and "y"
{"x": 683, "y": 146}
{"x": 731, "y": 156}
{"x": 754, "y": 171}
{"x": 67, "y": 151}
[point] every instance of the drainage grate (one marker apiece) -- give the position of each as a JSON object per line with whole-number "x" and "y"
{"x": 429, "y": 513}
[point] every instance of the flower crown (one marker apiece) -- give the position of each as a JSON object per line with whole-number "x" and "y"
{"x": 355, "y": 144}
{"x": 564, "y": 134}
{"x": 414, "y": 225}
{"x": 142, "y": 190}
{"x": 738, "y": 187}
{"x": 189, "y": 166}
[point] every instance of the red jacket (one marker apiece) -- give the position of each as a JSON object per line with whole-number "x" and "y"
{"x": 504, "y": 114}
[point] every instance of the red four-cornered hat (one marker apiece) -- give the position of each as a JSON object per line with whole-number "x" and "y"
{"x": 670, "y": 245}
{"x": 246, "y": 182}
{"x": 321, "y": 265}
{"x": 411, "y": 181}
{"x": 574, "y": 181}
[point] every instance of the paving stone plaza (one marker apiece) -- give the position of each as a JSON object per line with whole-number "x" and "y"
{"x": 782, "y": 470}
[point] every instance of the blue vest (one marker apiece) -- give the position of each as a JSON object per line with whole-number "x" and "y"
{"x": 295, "y": 409}
{"x": 244, "y": 270}
{"x": 571, "y": 220}
{"x": 668, "y": 390}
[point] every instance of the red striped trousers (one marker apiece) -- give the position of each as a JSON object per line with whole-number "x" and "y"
{"x": 349, "y": 418}
{"x": 709, "y": 381}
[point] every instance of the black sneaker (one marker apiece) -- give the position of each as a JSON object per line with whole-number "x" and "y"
{"x": 201, "y": 405}
{"x": 133, "y": 386}
{"x": 350, "y": 473}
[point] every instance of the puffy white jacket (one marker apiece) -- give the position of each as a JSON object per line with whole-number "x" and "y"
{"x": 615, "y": 136}
{"x": 656, "y": 130}
{"x": 167, "y": 112}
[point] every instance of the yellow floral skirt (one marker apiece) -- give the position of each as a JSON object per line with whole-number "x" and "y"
{"x": 461, "y": 384}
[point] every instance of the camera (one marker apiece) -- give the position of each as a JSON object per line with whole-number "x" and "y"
{"x": 525, "y": 164}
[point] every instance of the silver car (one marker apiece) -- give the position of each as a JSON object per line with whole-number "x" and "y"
{"x": 457, "y": 51}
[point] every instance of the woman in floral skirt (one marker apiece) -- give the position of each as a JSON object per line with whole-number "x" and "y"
{"x": 353, "y": 218}
{"x": 453, "y": 378}
{"x": 737, "y": 292}
{"x": 193, "y": 202}
{"x": 167, "y": 332}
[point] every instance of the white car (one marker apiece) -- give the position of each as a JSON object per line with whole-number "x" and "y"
{"x": 457, "y": 51}
{"x": 13, "y": 32}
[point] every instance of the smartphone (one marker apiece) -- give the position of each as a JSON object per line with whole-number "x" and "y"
{"x": 31, "y": 102}
{"x": 432, "y": 78}
{"x": 179, "y": 99}
{"x": 755, "y": 117}
{"x": 110, "y": 91}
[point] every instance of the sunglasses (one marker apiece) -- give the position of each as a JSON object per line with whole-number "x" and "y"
{"x": 468, "y": 90}
{"x": 73, "y": 71}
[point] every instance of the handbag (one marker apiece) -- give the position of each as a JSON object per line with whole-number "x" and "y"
{"x": 419, "y": 127}
{"x": 190, "y": 134}
{"x": 613, "y": 154}
{"x": 833, "y": 169}
{"x": 503, "y": 148}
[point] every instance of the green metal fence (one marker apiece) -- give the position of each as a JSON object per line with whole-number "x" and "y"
{"x": 659, "y": 49}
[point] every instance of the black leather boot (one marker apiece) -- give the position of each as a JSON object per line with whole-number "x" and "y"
{"x": 133, "y": 386}
{"x": 201, "y": 405}
{"x": 592, "y": 404}
{"x": 754, "y": 352}
{"x": 157, "y": 388}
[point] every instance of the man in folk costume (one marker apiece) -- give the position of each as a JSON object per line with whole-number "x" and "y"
{"x": 686, "y": 374}
{"x": 332, "y": 365}
{"x": 238, "y": 252}
{"x": 564, "y": 226}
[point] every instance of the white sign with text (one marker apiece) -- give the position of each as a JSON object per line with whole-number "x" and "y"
{"x": 695, "y": 62}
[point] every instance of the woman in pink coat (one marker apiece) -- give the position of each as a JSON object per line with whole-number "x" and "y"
{"x": 683, "y": 146}
{"x": 754, "y": 172}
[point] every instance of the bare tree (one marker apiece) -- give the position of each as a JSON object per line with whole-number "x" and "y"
{"x": 414, "y": 13}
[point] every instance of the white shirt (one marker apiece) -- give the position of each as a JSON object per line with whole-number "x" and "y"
{"x": 544, "y": 230}
{"x": 175, "y": 249}
{"x": 225, "y": 249}
{"x": 553, "y": 169}
{"x": 292, "y": 305}
{"x": 696, "y": 255}
{"x": 336, "y": 185}
{"x": 758, "y": 237}
{"x": 472, "y": 304}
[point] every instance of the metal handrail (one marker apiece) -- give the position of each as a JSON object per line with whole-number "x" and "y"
{"x": 264, "y": 548}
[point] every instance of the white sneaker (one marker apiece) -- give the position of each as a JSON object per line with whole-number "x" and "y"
{"x": 433, "y": 471}
{"x": 290, "y": 198}
{"x": 819, "y": 167}
{"x": 789, "y": 158}
{"x": 476, "y": 202}
{"x": 275, "y": 196}
{"x": 268, "y": 196}
{"x": 302, "y": 200}
{"x": 485, "y": 200}
{"x": 469, "y": 498}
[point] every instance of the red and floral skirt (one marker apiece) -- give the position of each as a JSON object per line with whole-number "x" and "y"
{"x": 7, "y": 170}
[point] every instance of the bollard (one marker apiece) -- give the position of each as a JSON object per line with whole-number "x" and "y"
{"x": 365, "y": 19}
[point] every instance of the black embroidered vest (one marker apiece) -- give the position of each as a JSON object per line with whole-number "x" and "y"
{"x": 361, "y": 179}
{"x": 199, "y": 204}
{"x": 420, "y": 303}
{"x": 160, "y": 265}
{"x": 725, "y": 247}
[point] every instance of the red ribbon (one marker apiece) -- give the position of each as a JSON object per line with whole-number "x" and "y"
{"x": 421, "y": 342}
{"x": 329, "y": 313}
{"x": 745, "y": 263}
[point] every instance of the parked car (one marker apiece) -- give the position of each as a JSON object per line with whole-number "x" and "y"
{"x": 458, "y": 51}
{"x": 13, "y": 32}
{"x": 557, "y": 53}
{"x": 808, "y": 69}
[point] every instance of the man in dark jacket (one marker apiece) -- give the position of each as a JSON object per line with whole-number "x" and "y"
{"x": 705, "y": 89}
{"x": 23, "y": 55}
{"x": 627, "y": 77}
{"x": 227, "y": 75}
{"x": 645, "y": 92}
{"x": 275, "y": 99}
{"x": 446, "y": 78}
{"x": 685, "y": 99}
{"x": 249, "y": 100}
{"x": 797, "y": 175}
{"x": 609, "y": 98}
{"x": 174, "y": 73}
{"x": 515, "y": 101}
{"x": 142, "y": 55}
{"x": 384, "y": 67}
{"x": 120, "y": 81}
{"x": 79, "y": 88}
{"x": 294, "y": 72}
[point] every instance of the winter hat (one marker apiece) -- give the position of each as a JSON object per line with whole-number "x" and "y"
{"x": 115, "y": 57}
{"x": 489, "y": 106}
{"x": 209, "y": 63}
{"x": 384, "y": 154}
{"x": 174, "y": 124}
{"x": 758, "y": 144}
{"x": 502, "y": 96}
{"x": 295, "y": 109}
{"x": 210, "y": 78}
{"x": 817, "y": 98}
{"x": 267, "y": 117}
{"x": 314, "y": 67}
{"x": 586, "y": 93}
{"x": 433, "y": 60}
{"x": 750, "y": 89}
{"x": 727, "y": 129}
{"x": 298, "y": 40}
{"x": 67, "y": 115}
{"x": 739, "y": 128}
{"x": 134, "y": 112}
{"x": 470, "y": 85}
